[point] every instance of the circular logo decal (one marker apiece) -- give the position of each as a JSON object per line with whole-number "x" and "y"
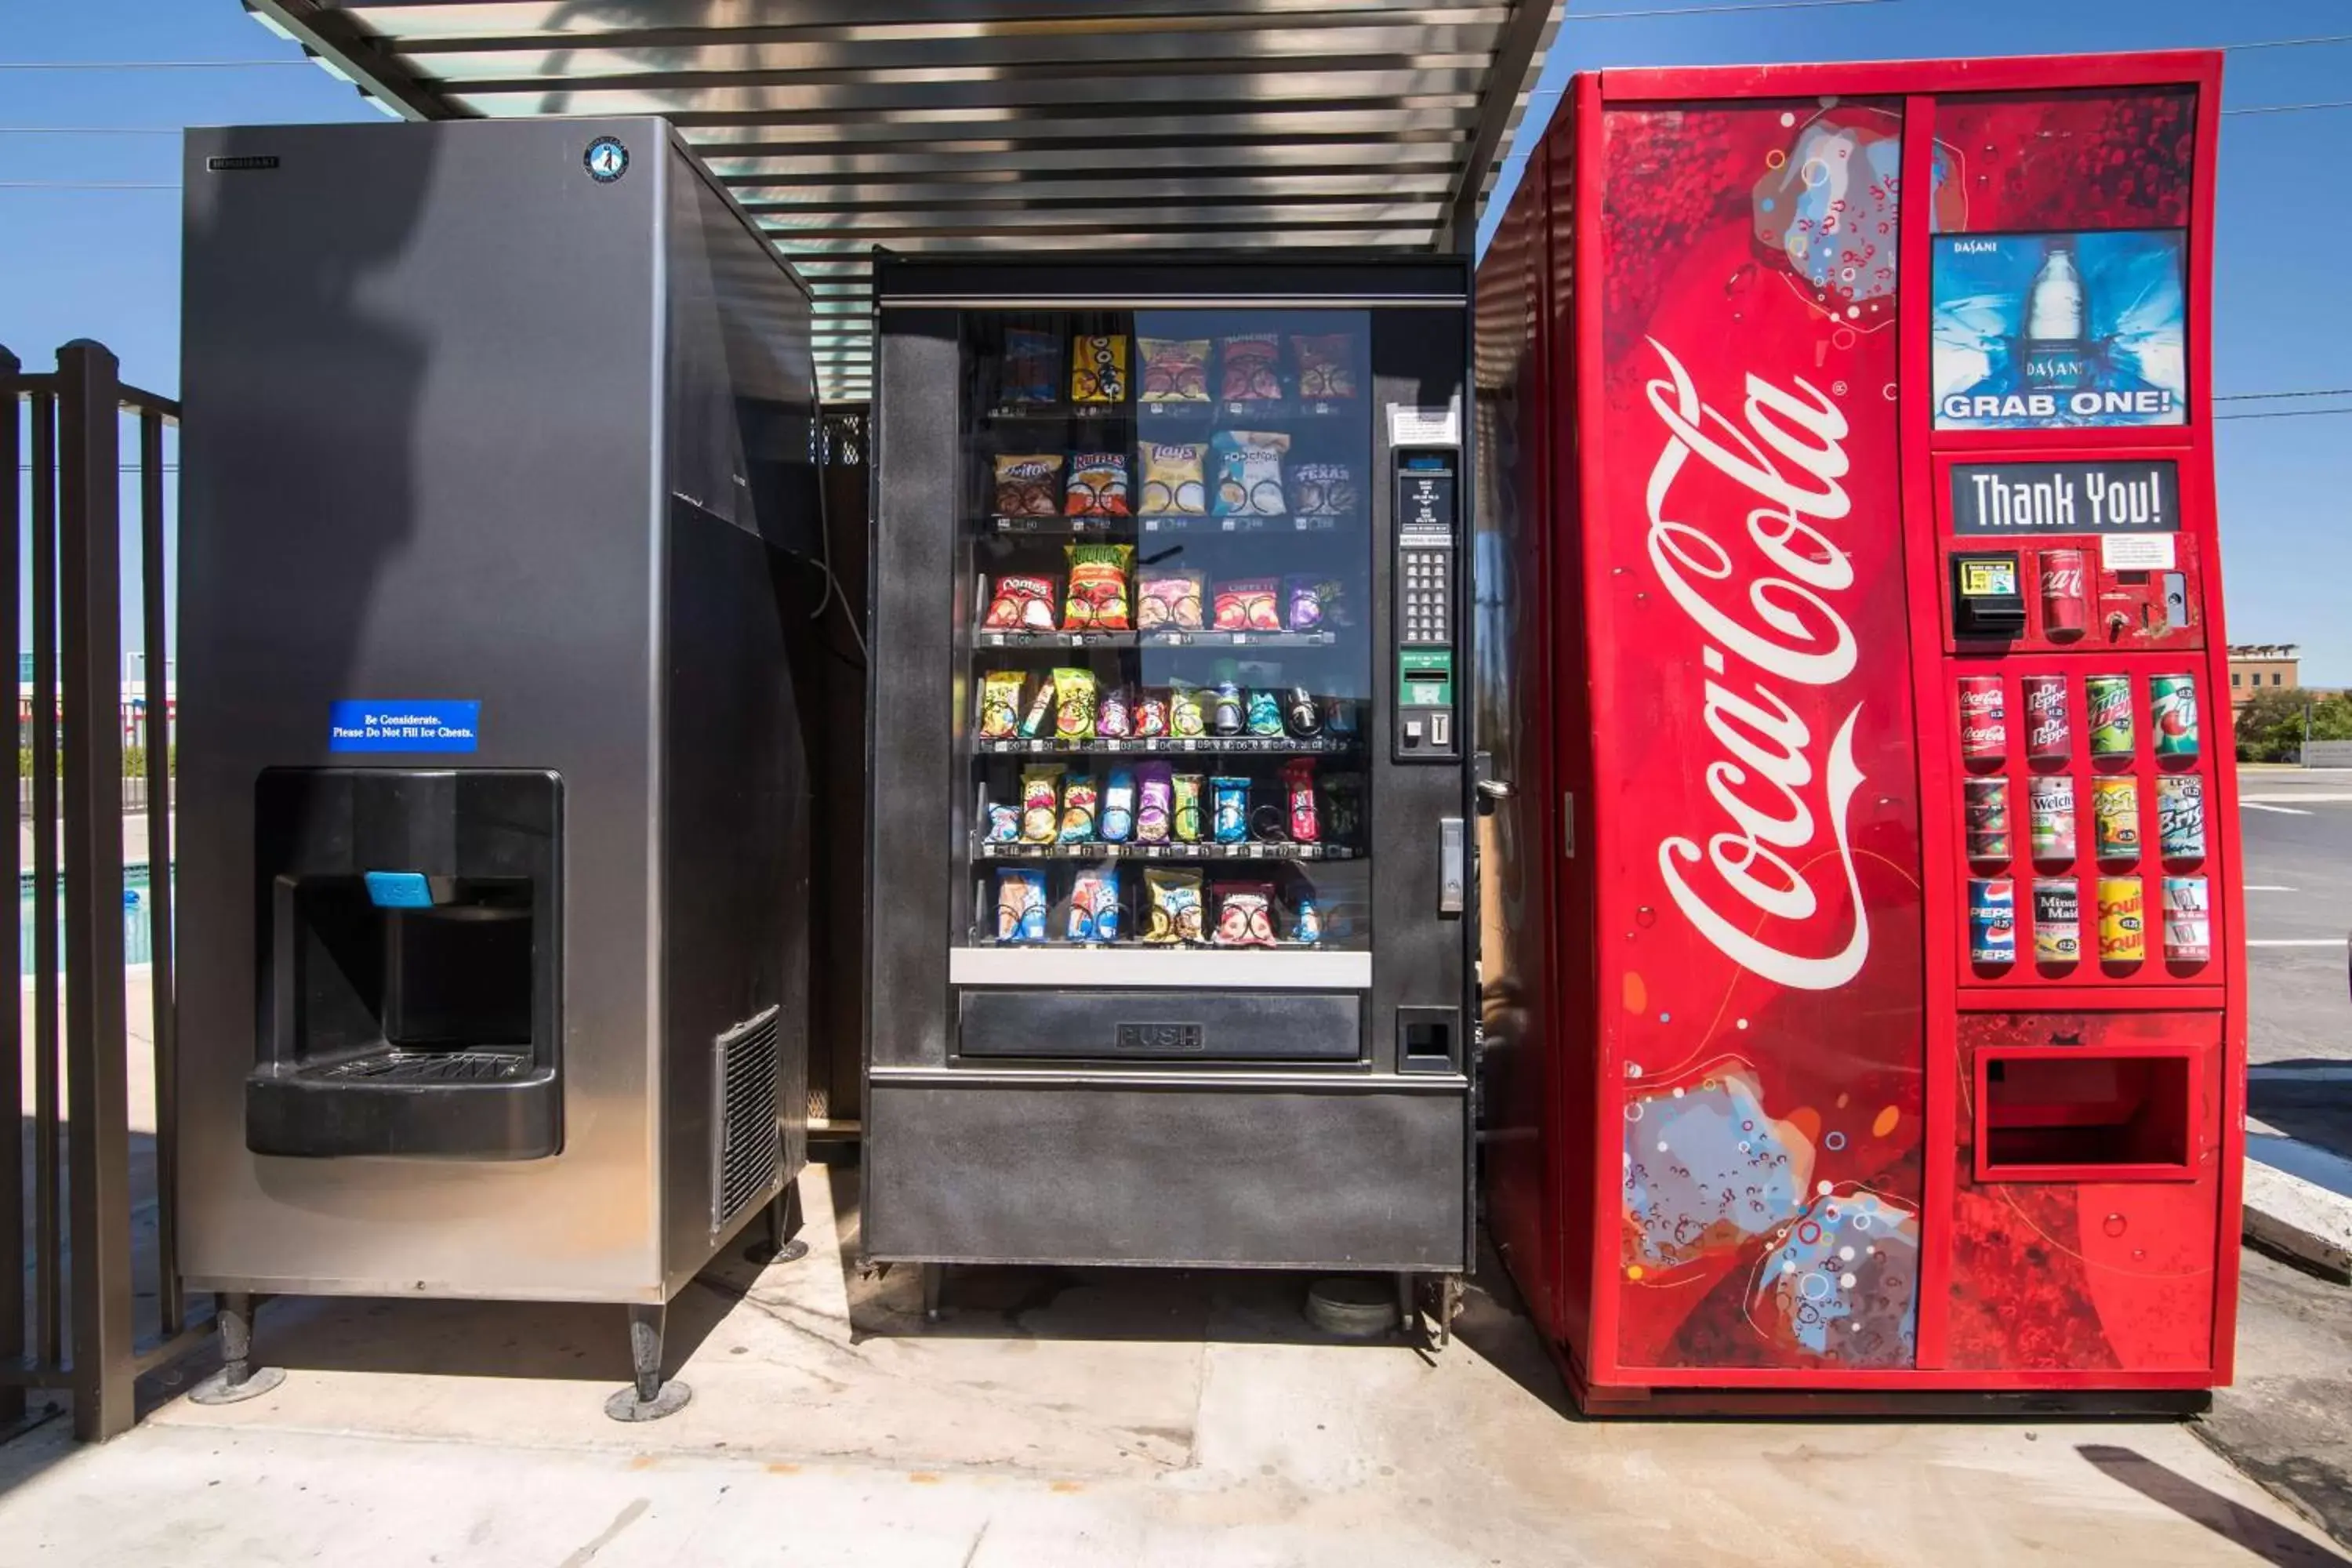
{"x": 607, "y": 160}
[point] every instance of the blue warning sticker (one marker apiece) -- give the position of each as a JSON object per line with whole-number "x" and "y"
{"x": 403, "y": 726}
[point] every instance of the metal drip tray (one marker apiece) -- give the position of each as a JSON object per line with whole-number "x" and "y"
{"x": 397, "y": 1065}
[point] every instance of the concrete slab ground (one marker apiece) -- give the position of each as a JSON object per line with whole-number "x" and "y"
{"x": 1058, "y": 1418}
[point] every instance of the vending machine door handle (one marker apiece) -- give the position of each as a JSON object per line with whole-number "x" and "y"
{"x": 1494, "y": 789}
{"x": 1452, "y": 866}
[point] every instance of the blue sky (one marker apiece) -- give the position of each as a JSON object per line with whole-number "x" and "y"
{"x": 104, "y": 263}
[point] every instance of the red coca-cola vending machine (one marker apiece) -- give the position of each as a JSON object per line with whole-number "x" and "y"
{"x": 1862, "y": 978}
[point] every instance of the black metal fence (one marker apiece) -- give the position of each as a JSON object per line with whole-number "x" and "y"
{"x": 76, "y": 1325}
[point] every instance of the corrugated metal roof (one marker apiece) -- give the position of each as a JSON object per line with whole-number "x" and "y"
{"x": 998, "y": 124}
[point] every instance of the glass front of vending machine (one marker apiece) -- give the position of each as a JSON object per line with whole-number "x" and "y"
{"x": 1169, "y": 778}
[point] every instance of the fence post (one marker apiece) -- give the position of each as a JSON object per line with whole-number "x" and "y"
{"x": 12, "y": 1043}
{"x": 91, "y": 646}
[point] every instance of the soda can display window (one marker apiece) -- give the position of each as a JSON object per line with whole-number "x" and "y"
{"x": 2114, "y": 819}
{"x": 1987, "y": 819}
{"x": 2172, "y": 715}
{"x": 2049, "y": 812}
{"x": 2123, "y": 920}
{"x": 1984, "y": 720}
{"x": 2065, "y": 596}
{"x": 2057, "y": 921}
{"x": 2188, "y": 923}
{"x": 1992, "y": 920}
{"x": 2181, "y": 817}
{"x": 2049, "y": 727}
{"x": 2107, "y": 699}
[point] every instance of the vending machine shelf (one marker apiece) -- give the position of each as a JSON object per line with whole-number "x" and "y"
{"x": 1185, "y": 746}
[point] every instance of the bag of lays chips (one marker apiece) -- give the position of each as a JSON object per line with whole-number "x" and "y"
{"x": 1171, "y": 479}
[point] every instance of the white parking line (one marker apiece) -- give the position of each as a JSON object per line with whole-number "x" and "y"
{"x": 2293, "y": 795}
{"x": 2267, "y": 887}
{"x": 2282, "y": 810}
{"x": 2297, "y": 941}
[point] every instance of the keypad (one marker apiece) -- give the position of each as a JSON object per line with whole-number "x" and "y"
{"x": 1426, "y": 597}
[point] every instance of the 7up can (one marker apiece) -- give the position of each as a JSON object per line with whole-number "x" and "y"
{"x": 2109, "y": 700}
{"x": 2172, "y": 714}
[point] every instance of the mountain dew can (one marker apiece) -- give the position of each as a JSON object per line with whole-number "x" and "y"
{"x": 2109, "y": 699}
{"x": 2172, "y": 714}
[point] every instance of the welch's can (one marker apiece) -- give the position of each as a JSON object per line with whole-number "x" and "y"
{"x": 1992, "y": 920}
{"x": 2049, "y": 729}
{"x": 2108, "y": 700}
{"x": 2181, "y": 817}
{"x": 2115, "y": 818}
{"x": 1984, "y": 720}
{"x": 2123, "y": 920}
{"x": 2050, "y": 816}
{"x": 2172, "y": 715}
{"x": 2188, "y": 925}
{"x": 2057, "y": 921}
{"x": 1987, "y": 819}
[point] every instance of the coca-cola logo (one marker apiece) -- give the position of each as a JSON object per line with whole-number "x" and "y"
{"x": 1765, "y": 605}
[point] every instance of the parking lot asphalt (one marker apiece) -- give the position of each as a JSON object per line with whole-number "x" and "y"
{"x": 2296, "y": 829}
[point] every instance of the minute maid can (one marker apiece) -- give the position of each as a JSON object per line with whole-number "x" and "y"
{"x": 1992, "y": 920}
{"x": 2057, "y": 921}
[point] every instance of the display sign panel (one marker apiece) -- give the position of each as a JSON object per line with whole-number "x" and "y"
{"x": 2127, "y": 496}
{"x": 2059, "y": 331}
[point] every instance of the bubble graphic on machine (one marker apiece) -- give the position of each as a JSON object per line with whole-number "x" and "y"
{"x": 1843, "y": 1281}
{"x": 1706, "y": 1171}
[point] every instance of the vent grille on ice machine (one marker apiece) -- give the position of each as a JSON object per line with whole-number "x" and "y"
{"x": 748, "y": 1154}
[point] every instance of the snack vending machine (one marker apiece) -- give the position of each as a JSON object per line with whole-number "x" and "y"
{"x": 1864, "y": 990}
{"x": 1169, "y": 882}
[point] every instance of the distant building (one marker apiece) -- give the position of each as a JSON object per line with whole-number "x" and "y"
{"x": 2264, "y": 666}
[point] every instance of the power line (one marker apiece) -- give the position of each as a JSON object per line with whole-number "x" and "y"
{"x": 88, "y": 130}
{"x": 86, "y": 186}
{"x": 1717, "y": 10}
{"x": 2290, "y": 43}
{"x": 2267, "y": 397}
{"x": 141, "y": 65}
{"x": 2291, "y": 108}
{"x": 2284, "y": 413}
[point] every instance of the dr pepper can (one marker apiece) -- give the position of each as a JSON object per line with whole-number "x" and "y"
{"x": 2049, "y": 733}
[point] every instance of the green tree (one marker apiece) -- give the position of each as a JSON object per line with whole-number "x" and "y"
{"x": 2270, "y": 726}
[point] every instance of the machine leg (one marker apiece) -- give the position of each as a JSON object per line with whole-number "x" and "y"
{"x": 935, "y": 1278}
{"x": 648, "y": 1398}
{"x": 1449, "y": 1301}
{"x": 238, "y": 1378}
{"x": 1407, "y": 1307}
{"x": 783, "y": 1243}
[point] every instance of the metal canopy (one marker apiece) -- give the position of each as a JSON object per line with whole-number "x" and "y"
{"x": 1029, "y": 125}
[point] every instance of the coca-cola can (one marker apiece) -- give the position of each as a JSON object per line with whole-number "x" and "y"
{"x": 2123, "y": 921}
{"x": 2049, "y": 729}
{"x": 2057, "y": 921}
{"x": 2187, "y": 926}
{"x": 2050, "y": 816}
{"x": 2181, "y": 817}
{"x": 1984, "y": 720}
{"x": 1987, "y": 819}
{"x": 1992, "y": 920}
{"x": 2114, "y": 819}
{"x": 2065, "y": 597}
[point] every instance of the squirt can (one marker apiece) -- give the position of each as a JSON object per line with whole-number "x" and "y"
{"x": 2187, "y": 924}
{"x": 1992, "y": 920}
{"x": 1984, "y": 719}
{"x": 2049, "y": 729}
{"x": 2172, "y": 714}
{"x": 2057, "y": 921}
{"x": 2181, "y": 817}
{"x": 2050, "y": 816}
{"x": 2114, "y": 819}
{"x": 1987, "y": 819}
{"x": 2108, "y": 701}
{"x": 2123, "y": 934}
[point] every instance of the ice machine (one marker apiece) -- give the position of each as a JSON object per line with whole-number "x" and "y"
{"x": 498, "y": 454}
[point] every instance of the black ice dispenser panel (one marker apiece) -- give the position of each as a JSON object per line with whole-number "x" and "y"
{"x": 411, "y": 978}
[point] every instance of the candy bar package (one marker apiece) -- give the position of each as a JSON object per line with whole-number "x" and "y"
{"x": 1225, "y": 712}
{"x": 1169, "y": 599}
{"x": 1098, "y": 369}
{"x": 1323, "y": 490}
{"x": 1004, "y": 823}
{"x": 1094, "y": 905}
{"x": 1078, "y": 803}
{"x": 1251, "y": 605}
{"x": 1028, "y": 484}
{"x": 1188, "y": 716}
{"x": 1326, "y": 366}
{"x": 1115, "y": 715}
{"x": 1172, "y": 483}
{"x": 1175, "y": 905}
{"x": 1265, "y": 712}
{"x": 1244, "y": 914}
{"x": 1041, "y": 789}
{"x": 1031, "y": 361}
{"x": 1073, "y": 704}
{"x": 1249, "y": 472}
{"x": 1021, "y": 604}
{"x": 1097, "y": 600}
{"x": 1119, "y": 807}
{"x": 1040, "y": 713}
{"x": 1230, "y": 812}
{"x": 1154, "y": 803}
{"x": 1188, "y": 808}
{"x": 1298, "y": 788}
{"x": 1175, "y": 370}
{"x": 1000, "y": 704}
{"x": 1098, "y": 485}
{"x": 1020, "y": 906}
{"x": 1246, "y": 368}
{"x": 1150, "y": 715}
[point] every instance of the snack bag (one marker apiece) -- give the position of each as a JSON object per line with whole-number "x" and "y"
{"x": 1028, "y": 484}
{"x": 1119, "y": 807}
{"x": 1151, "y": 716}
{"x": 1029, "y": 358}
{"x": 1021, "y": 604}
{"x": 1244, "y": 914}
{"x": 1004, "y": 824}
{"x": 1249, "y": 472}
{"x": 1098, "y": 485}
{"x": 1094, "y": 905}
{"x": 1323, "y": 490}
{"x": 1188, "y": 808}
{"x": 1175, "y": 370}
{"x": 1153, "y": 804}
{"x": 1188, "y": 716}
{"x": 1249, "y": 606}
{"x": 1040, "y": 790}
{"x": 1000, "y": 704}
{"x": 1114, "y": 718}
{"x": 1096, "y": 601}
{"x": 1098, "y": 369}
{"x": 1172, "y": 484}
{"x": 1326, "y": 366}
{"x": 1175, "y": 911}
{"x": 1265, "y": 712}
{"x": 1247, "y": 368}
{"x": 1304, "y": 595}
{"x": 1230, "y": 823}
{"x": 1041, "y": 712}
{"x": 1170, "y": 600}
{"x": 1298, "y": 785}
{"x": 1020, "y": 906}
{"x": 1073, "y": 704}
{"x": 1078, "y": 803}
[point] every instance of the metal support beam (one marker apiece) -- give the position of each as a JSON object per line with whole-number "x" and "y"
{"x": 1518, "y": 57}
{"x": 12, "y": 1044}
{"x": 322, "y": 30}
{"x": 163, "y": 987}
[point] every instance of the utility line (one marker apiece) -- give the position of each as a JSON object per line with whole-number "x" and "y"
{"x": 142, "y": 65}
{"x": 2284, "y": 414}
{"x": 2291, "y": 108}
{"x": 2266, "y": 396}
{"x": 1717, "y": 10}
{"x": 86, "y": 186}
{"x": 2290, "y": 43}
